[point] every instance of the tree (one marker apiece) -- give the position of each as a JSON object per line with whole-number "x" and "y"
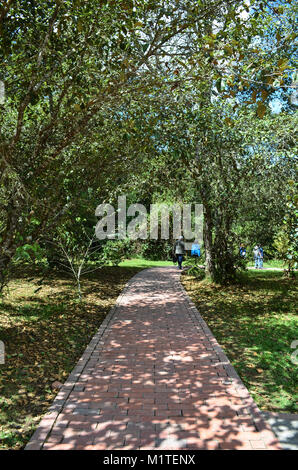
{"x": 65, "y": 65}
{"x": 69, "y": 66}
{"x": 233, "y": 163}
{"x": 286, "y": 240}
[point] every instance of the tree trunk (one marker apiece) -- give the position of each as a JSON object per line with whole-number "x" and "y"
{"x": 79, "y": 289}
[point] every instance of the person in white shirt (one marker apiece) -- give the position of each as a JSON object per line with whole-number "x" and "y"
{"x": 179, "y": 251}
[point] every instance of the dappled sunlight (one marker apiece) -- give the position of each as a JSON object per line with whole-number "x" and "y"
{"x": 178, "y": 357}
{"x": 255, "y": 321}
{"x": 156, "y": 381}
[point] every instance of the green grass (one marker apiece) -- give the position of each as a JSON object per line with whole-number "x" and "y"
{"x": 143, "y": 263}
{"x": 255, "y": 322}
{"x": 273, "y": 263}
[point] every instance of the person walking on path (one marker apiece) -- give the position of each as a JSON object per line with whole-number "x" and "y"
{"x": 179, "y": 250}
{"x": 260, "y": 256}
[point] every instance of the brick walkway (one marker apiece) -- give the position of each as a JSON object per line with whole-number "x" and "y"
{"x": 153, "y": 377}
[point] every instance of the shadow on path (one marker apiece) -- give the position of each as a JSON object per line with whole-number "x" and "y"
{"x": 153, "y": 377}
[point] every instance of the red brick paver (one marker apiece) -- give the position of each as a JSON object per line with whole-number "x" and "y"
{"x": 153, "y": 377}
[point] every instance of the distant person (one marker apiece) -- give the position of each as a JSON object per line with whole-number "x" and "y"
{"x": 242, "y": 251}
{"x": 260, "y": 257}
{"x": 179, "y": 250}
{"x": 255, "y": 255}
{"x": 195, "y": 249}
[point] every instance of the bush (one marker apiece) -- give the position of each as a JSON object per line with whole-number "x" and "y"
{"x": 156, "y": 250}
{"x": 115, "y": 251}
{"x": 195, "y": 268}
{"x": 226, "y": 266}
{"x": 30, "y": 253}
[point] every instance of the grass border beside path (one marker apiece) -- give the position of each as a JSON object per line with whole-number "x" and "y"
{"x": 273, "y": 263}
{"x": 255, "y": 322}
{"x": 143, "y": 263}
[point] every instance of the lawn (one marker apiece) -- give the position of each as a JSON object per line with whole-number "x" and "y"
{"x": 255, "y": 322}
{"x": 272, "y": 263}
{"x": 45, "y": 331}
{"x": 143, "y": 263}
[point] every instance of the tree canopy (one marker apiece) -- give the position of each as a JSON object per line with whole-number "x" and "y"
{"x": 148, "y": 98}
